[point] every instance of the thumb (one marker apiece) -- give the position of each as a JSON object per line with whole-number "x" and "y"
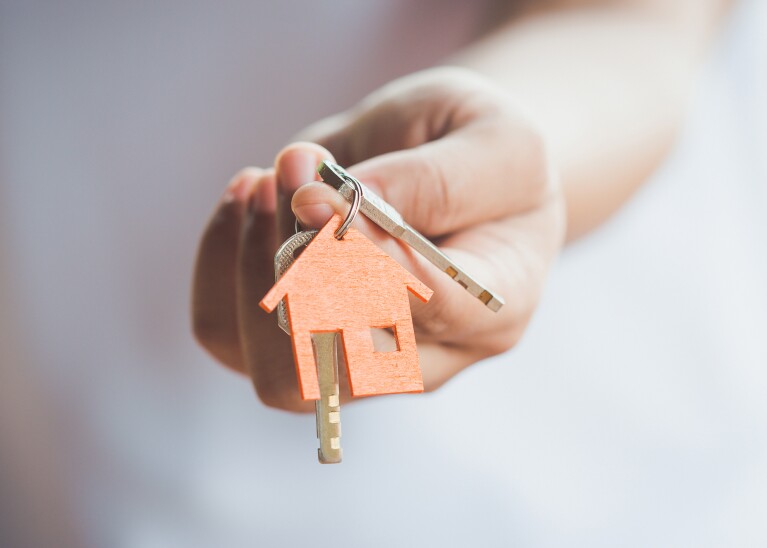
{"x": 485, "y": 171}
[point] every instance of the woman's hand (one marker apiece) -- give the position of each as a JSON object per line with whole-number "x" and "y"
{"x": 458, "y": 160}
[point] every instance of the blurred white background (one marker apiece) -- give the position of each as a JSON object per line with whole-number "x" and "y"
{"x": 634, "y": 413}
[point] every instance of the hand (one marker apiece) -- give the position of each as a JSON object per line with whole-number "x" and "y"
{"x": 458, "y": 160}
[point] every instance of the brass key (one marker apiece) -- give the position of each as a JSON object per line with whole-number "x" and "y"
{"x": 328, "y": 409}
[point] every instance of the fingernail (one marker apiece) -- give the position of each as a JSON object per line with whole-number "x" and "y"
{"x": 313, "y": 215}
{"x": 238, "y": 189}
{"x": 262, "y": 198}
{"x": 295, "y": 169}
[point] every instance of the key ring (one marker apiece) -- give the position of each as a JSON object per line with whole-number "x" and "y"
{"x": 353, "y": 211}
{"x": 357, "y": 187}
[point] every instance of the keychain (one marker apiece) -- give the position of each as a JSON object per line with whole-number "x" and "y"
{"x": 342, "y": 286}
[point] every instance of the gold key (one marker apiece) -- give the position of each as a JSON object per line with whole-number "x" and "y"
{"x": 328, "y": 408}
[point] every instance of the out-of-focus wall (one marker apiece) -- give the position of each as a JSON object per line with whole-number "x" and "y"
{"x": 120, "y": 124}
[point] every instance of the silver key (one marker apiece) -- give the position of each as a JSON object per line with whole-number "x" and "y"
{"x": 385, "y": 216}
{"x": 327, "y": 408}
{"x": 286, "y": 256}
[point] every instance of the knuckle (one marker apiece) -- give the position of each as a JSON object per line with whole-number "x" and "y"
{"x": 435, "y": 323}
{"x": 439, "y": 206}
{"x": 283, "y": 400}
{"x": 274, "y": 381}
{"x": 502, "y": 344}
{"x": 431, "y": 385}
{"x": 218, "y": 341}
{"x": 511, "y": 329}
{"x": 246, "y": 175}
{"x": 207, "y": 332}
{"x": 270, "y": 398}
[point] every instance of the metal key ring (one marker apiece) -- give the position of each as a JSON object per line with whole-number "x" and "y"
{"x": 353, "y": 210}
{"x": 357, "y": 187}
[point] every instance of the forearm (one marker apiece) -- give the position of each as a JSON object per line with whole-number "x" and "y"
{"x": 607, "y": 86}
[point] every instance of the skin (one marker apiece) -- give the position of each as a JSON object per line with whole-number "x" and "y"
{"x": 498, "y": 159}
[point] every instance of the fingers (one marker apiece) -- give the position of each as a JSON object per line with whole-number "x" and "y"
{"x": 214, "y": 310}
{"x": 403, "y": 114}
{"x": 445, "y": 148}
{"x": 295, "y": 166}
{"x": 457, "y": 161}
{"x": 439, "y": 363}
{"x": 462, "y": 179}
{"x": 313, "y": 204}
{"x": 235, "y": 268}
{"x": 266, "y": 349}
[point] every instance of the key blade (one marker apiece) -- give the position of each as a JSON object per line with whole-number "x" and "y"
{"x": 328, "y": 408}
{"x": 373, "y": 206}
{"x": 433, "y": 254}
{"x": 384, "y": 215}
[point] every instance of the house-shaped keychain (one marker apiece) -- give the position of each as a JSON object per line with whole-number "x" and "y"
{"x": 351, "y": 286}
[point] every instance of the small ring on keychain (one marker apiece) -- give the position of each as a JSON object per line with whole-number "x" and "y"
{"x": 357, "y": 189}
{"x": 353, "y": 210}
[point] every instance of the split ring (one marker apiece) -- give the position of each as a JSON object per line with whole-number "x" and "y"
{"x": 353, "y": 210}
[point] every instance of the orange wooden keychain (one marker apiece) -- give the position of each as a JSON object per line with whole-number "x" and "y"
{"x": 343, "y": 284}
{"x": 349, "y": 285}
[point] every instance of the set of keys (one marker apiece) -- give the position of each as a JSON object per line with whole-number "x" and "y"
{"x": 314, "y": 293}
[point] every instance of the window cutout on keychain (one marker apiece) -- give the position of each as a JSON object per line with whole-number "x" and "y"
{"x": 384, "y": 339}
